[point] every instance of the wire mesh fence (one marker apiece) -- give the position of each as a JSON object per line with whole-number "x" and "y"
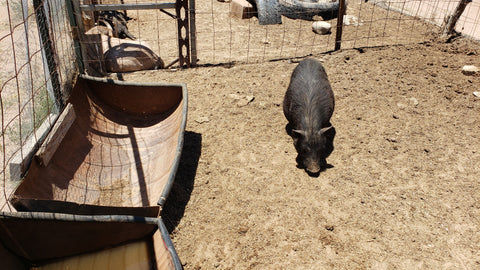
{"x": 29, "y": 88}
{"x": 222, "y": 37}
{"x": 38, "y": 49}
{"x": 436, "y": 11}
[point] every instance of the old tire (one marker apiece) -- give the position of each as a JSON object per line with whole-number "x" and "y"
{"x": 269, "y": 12}
{"x": 305, "y": 10}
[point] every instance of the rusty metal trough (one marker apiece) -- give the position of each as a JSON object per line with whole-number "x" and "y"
{"x": 104, "y": 171}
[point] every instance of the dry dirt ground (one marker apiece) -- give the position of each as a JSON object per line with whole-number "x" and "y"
{"x": 403, "y": 188}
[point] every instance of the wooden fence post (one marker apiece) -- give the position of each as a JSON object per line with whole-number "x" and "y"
{"x": 341, "y": 12}
{"x": 451, "y": 20}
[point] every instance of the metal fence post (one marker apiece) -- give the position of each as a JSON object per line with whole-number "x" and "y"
{"x": 181, "y": 8}
{"x": 75, "y": 35}
{"x": 193, "y": 34}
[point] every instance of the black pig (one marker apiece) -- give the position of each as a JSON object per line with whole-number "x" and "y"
{"x": 308, "y": 106}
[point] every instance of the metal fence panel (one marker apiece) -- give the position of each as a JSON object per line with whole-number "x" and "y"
{"x": 30, "y": 96}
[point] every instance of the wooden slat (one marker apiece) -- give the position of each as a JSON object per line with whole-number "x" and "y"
{"x": 56, "y": 135}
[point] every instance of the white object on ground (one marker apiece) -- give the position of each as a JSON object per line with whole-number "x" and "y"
{"x": 321, "y": 27}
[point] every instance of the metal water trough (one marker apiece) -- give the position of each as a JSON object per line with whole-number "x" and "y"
{"x": 99, "y": 180}
{"x": 35, "y": 240}
{"x": 119, "y": 146}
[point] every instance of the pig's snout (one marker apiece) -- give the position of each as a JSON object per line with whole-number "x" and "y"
{"x": 315, "y": 166}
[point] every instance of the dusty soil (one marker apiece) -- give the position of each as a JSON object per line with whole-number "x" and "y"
{"x": 403, "y": 188}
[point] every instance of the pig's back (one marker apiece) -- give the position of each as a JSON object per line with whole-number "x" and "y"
{"x": 309, "y": 99}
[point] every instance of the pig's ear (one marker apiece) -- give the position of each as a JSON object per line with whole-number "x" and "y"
{"x": 327, "y": 130}
{"x": 298, "y": 133}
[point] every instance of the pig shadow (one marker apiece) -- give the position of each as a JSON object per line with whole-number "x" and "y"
{"x": 322, "y": 169}
{"x": 288, "y": 129}
{"x": 174, "y": 208}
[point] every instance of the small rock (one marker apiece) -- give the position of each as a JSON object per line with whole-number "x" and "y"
{"x": 414, "y": 101}
{"x": 401, "y": 105}
{"x": 202, "y": 119}
{"x": 476, "y": 93}
{"x": 242, "y": 103}
{"x": 469, "y": 70}
{"x": 235, "y": 96}
{"x": 460, "y": 168}
{"x": 321, "y": 28}
{"x": 393, "y": 140}
{"x": 329, "y": 227}
{"x": 351, "y": 20}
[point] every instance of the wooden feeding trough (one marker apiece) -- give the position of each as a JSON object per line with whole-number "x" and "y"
{"x": 115, "y": 149}
{"x": 48, "y": 241}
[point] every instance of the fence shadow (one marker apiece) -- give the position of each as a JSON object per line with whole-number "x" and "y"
{"x": 177, "y": 200}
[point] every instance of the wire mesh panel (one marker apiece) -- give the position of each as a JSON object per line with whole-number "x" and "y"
{"x": 377, "y": 24}
{"x": 469, "y": 22}
{"x": 153, "y": 27}
{"x": 34, "y": 38}
{"x": 223, "y": 37}
{"x": 435, "y": 12}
